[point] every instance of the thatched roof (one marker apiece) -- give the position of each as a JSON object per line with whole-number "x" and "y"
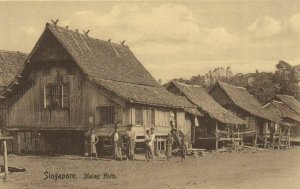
{"x": 290, "y": 101}
{"x": 244, "y": 100}
{"x": 102, "y": 59}
{"x": 282, "y": 110}
{"x": 111, "y": 66}
{"x": 10, "y": 65}
{"x": 142, "y": 94}
{"x": 198, "y": 96}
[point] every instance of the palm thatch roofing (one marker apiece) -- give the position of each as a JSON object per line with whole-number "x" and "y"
{"x": 10, "y": 65}
{"x": 142, "y": 94}
{"x": 198, "y": 96}
{"x": 244, "y": 100}
{"x": 290, "y": 101}
{"x": 111, "y": 66}
{"x": 282, "y": 110}
{"x": 102, "y": 59}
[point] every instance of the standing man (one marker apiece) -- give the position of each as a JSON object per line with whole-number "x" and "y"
{"x": 151, "y": 144}
{"x": 93, "y": 140}
{"x": 117, "y": 151}
{"x": 147, "y": 139}
{"x": 130, "y": 142}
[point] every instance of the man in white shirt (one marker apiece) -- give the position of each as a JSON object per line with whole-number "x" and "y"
{"x": 117, "y": 152}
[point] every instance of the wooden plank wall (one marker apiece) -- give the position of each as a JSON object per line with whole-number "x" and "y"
{"x": 84, "y": 98}
{"x": 83, "y": 101}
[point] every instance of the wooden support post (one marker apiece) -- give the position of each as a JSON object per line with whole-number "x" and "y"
{"x": 266, "y": 136}
{"x": 216, "y": 135}
{"x": 289, "y": 137}
{"x": 255, "y": 140}
{"x": 156, "y": 151}
{"x": 266, "y": 141}
{"x": 273, "y": 139}
{"x": 279, "y": 139}
{"x": 5, "y": 159}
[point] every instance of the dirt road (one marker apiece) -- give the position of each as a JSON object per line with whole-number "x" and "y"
{"x": 246, "y": 169}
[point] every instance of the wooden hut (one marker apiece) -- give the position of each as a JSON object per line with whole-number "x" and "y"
{"x": 288, "y": 108}
{"x": 11, "y": 64}
{"x": 71, "y": 82}
{"x": 217, "y": 124}
{"x": 244, "y": 105}
{"x": 289, "y": 101}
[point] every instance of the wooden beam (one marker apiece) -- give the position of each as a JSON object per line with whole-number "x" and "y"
{"x": 289, "y": 137}
{"x": 5, "y": 159}
{"x": 266, "y": 135}
{"x": 255, "y": 140}
{"x": 217, "y": 145}
{"x": 279, "y": 140}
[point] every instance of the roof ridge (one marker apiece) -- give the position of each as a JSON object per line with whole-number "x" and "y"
{"x": 277, "y": 101}
{"x": 230, "y": 85}
{"x": 101, "y": 40}
{"x": 285, "y": 95}
{"x": 13, "y": 52}
{"x": 129, "y": 83}
{"x": 180, "y": 83}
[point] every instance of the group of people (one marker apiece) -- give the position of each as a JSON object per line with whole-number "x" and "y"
{"x": 130, "y": 137}
{"x": 180, "y": 142}
{"x": 117, "y": 144}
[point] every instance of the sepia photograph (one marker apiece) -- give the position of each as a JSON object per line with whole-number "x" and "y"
{"x": 167, "y": 94}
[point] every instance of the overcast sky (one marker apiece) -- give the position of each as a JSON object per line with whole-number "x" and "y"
{"x": 171, "y": 39}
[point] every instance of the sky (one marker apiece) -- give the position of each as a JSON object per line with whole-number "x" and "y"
{"x": 171, "y": 39}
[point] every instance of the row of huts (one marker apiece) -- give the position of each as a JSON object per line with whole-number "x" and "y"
{"x": 71, "y": 82}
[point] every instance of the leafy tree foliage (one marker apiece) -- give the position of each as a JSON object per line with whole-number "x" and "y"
{"x": 263, "y": 85}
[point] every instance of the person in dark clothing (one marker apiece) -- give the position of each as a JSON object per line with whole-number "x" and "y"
{"x": 169, "y": 146}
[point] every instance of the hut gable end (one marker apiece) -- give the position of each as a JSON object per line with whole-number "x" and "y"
{"x": 242, "y": 99}
{"x": 220, "y": 96}
{"x": 49, "y": 49}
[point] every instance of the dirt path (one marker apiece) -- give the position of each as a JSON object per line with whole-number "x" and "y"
{"x": 269, "y": 169}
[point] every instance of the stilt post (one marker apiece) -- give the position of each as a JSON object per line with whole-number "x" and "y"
{"x": 255, "y": 140}
{"x": 266, "y": 135}
{"x": 3, "y": 140}
{"x": 5, "y": 159}
{"x": 279, "y": 139}
{"x": 216, "y": 135}
{"x": 289, "y": 137}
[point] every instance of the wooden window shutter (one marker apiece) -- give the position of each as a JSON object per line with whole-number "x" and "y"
{"x": 47, "y": 96}
{"x": 65, "y": 95}
{"x": 44, "y": 99}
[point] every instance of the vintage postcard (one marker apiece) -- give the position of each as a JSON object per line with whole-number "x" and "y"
{"x": 150, "y": 94}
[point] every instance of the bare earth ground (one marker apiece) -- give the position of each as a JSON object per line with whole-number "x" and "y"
{"x": 245, "y": 169}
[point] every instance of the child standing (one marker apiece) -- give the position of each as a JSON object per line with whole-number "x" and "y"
{"x": 93, "y": 140}
{"x": 185, "y": 146}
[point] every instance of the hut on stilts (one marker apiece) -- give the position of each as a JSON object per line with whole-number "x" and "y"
{"x": 259, "y": 122}
{"x": 217, "y": 126}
